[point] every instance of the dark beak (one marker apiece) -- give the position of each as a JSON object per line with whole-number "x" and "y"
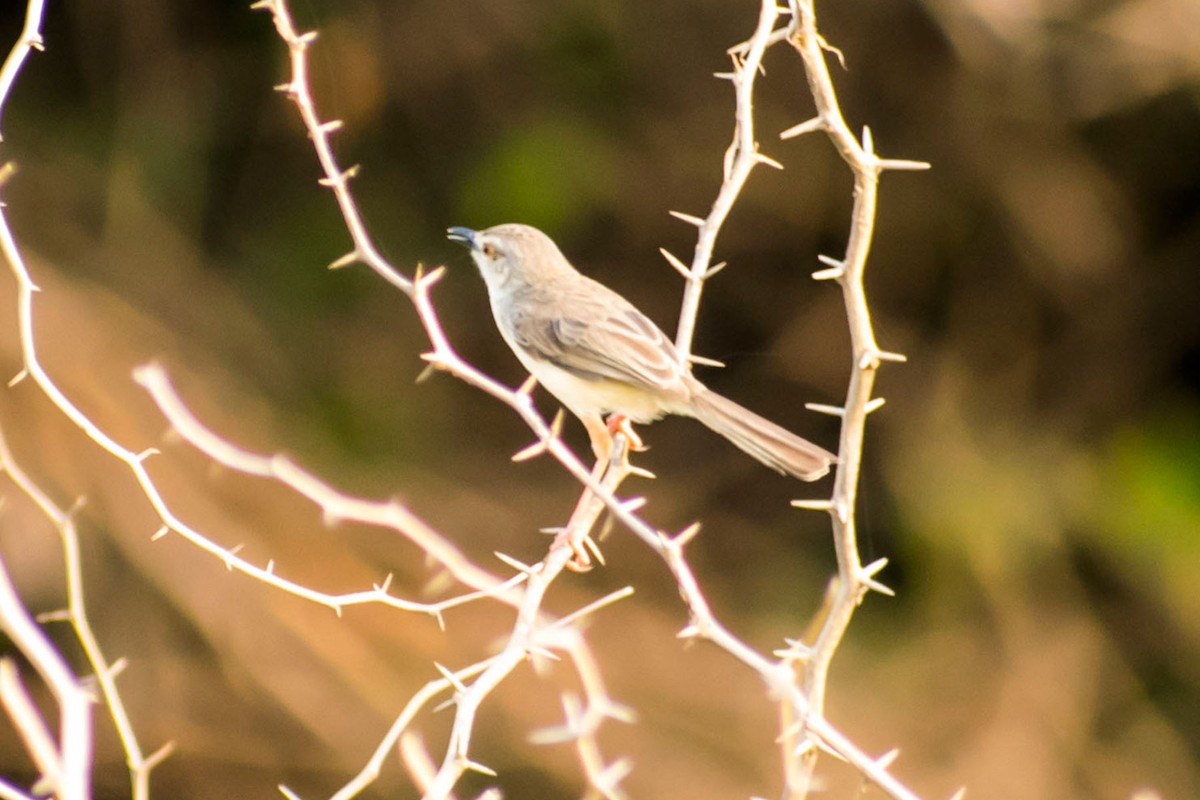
{"x": 464, "y": 236}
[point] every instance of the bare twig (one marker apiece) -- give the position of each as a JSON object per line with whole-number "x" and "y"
{"x": 742, "y": 156}
{"x": 854, "y": 579}
{"x": 30, "y": 39}
{"x": 105, "y": 672}
{"x": 66, "y": 764}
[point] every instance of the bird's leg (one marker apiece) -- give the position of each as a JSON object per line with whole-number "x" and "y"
{"x": 578, "y": 529}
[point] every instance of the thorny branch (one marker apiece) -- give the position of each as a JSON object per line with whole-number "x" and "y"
{"x": 812, "y": 731}
{"x": 796, "y": 677}
{"x": 65, "y": 767}
{"x": 105, "y": 673}
{"x": 853, "y": 578}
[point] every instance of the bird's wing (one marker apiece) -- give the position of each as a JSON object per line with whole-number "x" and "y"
{"x": 595, "y": 334}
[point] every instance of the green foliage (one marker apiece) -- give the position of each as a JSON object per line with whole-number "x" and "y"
{"x": 550, "y": 173}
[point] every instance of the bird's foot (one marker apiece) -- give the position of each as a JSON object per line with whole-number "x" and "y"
{"x": 619, "y": 423}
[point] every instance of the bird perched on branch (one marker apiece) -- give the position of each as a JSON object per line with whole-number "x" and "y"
{"x": 595, "y": 352}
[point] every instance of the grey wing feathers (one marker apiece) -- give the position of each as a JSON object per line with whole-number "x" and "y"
{"x": 596, "y": 334}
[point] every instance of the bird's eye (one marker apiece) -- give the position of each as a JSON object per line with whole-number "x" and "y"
{"x": 489, "y": 250}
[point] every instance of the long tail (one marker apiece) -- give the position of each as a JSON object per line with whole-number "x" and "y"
{"x": 779, "y": 449}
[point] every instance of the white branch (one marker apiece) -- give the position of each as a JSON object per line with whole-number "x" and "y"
{"x": 741, "y": 157}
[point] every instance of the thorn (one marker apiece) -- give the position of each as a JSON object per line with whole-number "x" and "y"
{"x": 286, "y": 88}
{"x": 288, "y": 793}
{"x": 632, "y": 504}
{"x": 688, "y": 632}
{"x": 640, "y": 472}
{"x": 685, "y": 536}
{"x": 813, "y": 505}
{"x": 708, "y": 362}
{"x": 305, "y": 39}
{"x": 555, "y": 734}
{"x": 841, "y": 511}
{"x": 886, "y": 760}
{"x": 613, "y": 774}
{"x": 434, "y": 358}
{"x": 231, "y": 556}
{"x": 836, "y": 269}
{"x": 544, "y": 652}
{"x": 158, "y": 756}
{"x": 765, "y": 159}
{"x": 898, "y": 358}
{"x": 345, "y": 261}
{"x": 441, "y": 620}
{"x": 260, "y": 5}
{"x": 117, "y": 667}
{"x": 532, "y": 451}
{"x": 451, "y": 678}
{"x": 874, "y": 405}
{"x": 61, "y": 615}
{"x": 903, "y": 164}
{"x": 383, "y": 587}
{"x": 556, "y": 425}
{"x": 619, "y": 712}
{"x": 875, "y": 567}
{"x": 688, "y": 218}
{"x": 519, "y": 566}
{"x": 868, "y": 141}
{"x": 679, "y": 266}
{"x": 714, "y": 270}
{"x": 20, "y": 376}
{"x": 795, "y": 651}
{"x": 821, "y": 408}
{"x": 341, "y": 178}
{"x": 725, "y": 76}
{"x": 425, "y": 374}
{"x": 823, "y": 745}
{"x": 806, "y": 745}
{"x": 526, "y": 388}
{"x": 808, "y": 126}
{"x": 330, "y": 126}
{"x": 866, "y": 577}
{"x": 160, "y": 533}
{"x": 875, "y": 585}
{"x": 790, "y": 731}
{"x": 475, "y": 766}
{"x": 960, "y": 794}
{"x": 429, "y": 279}
{"x": 149, "y": 451}
{"x": 270, "y": 570}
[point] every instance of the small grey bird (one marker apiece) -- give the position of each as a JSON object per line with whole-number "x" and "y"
{"x": 595, "y": 352}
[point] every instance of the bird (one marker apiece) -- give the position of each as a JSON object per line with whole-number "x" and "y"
{"x": 599, "y": 355}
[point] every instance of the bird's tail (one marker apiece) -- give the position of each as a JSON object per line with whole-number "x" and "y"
{"x": 779, "y": 449}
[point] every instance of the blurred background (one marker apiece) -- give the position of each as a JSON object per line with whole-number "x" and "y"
{"x": 1034, "y": 478}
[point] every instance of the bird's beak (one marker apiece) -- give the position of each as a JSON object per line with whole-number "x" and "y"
{"x": 464, "y": 236}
